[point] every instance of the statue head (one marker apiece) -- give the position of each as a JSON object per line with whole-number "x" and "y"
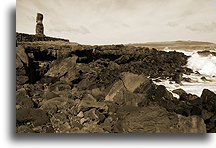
{"x": 39, "y": 18}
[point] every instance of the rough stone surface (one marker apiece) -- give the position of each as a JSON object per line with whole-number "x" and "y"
{"x": 65, "y": 87}
{"x": 36, "y": 116}
{"x": 154, "y": 119}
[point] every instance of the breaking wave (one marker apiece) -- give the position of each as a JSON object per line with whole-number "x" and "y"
{"x": 205, "y": 65}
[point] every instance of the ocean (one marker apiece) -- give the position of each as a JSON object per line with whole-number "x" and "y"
{"x": 203, "y": 64}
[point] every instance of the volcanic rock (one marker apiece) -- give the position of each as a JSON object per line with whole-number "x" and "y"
{"x": 36, "y": 116}
{"x": 23, "y": 99}
{"x": 154, "y": 119}
{"x": 208, "y": 99}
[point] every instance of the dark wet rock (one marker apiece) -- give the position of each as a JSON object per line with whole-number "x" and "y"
{"x": 187, "y": 97}
{"x": 154, "y": 119}
{"x": 157, "y": 80}
{"x": 187, "y": 79}
{"x": 36, "y": 116}
{"x": 206, "y": 115}
{"x": 208, "y": 99}
{"x": 203, "y": 78}
{"x": 210, "y": 124}
{"x": 206, "y": 53}
{"x": 187, "y": 105}
{"x": 161, "y": 93}
{"x": 179, "y": 91}
{"x": 178, "y": 76}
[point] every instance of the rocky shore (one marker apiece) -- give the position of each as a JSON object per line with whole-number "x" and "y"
{"x": 70, "y": 88}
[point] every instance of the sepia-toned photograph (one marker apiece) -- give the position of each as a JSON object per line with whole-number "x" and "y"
{"x": 115, "y": 66}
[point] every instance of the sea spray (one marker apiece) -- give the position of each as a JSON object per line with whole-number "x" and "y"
{"x": 205, "y": 65}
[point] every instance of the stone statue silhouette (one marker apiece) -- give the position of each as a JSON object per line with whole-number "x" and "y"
{"x": 39, "y": 25}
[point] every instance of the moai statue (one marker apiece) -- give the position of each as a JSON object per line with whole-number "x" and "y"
{"x": 39, "y": 26}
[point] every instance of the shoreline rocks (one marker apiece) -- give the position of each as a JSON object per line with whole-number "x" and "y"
{"x": 65, "y": 88}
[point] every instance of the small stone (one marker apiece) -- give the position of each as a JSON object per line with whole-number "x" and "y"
{"x": 83, "y": 120}
{"x": 37, "y": 129}
{"x": 80, "y": 114}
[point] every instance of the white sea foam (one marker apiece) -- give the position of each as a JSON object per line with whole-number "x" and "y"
{"x": 205, "y": 65}
{"x": 196, "y": 85}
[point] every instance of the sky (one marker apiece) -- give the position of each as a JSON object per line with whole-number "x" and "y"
{"x": 120, "y": 21}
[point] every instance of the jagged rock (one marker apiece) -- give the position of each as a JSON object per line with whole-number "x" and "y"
{"x": 179, "y": 91}
{"x": 20, "y": 80}
{"x": 86, "y": 104}
{"x": 80, "y": 114}
{"x": 208, "y": 102}
{"x": 108, "y": 124}
{"x": 49, "y": 95}
{"x": 98, "y": 94}
{"x": 23, "y": 99}
{"x": 60, "y": 86}
{"x": 161, "y": 93}
{"x": 92, "y": 127}
{"x": 24, "y": 129}
{"x": 91, "y": 114}
{"x": 115, "y": 91}
{"x": 192, "y": 124}
{"x": 21, "y": 57}
{"x": 52, "y": 105}
{"x": 22, "y": 63}
{"x": 204, "y": 79}
{"x": 208, "y": 99}
{"x": 123, "y": 91}
{"x": 205, "y": 53}
{"x": 133, "y": 81}
{"x": 65, "y": 67}
{"x": 206, "y": 115}
{"x": 187, "y": 79}
{"x": 155, "y": 119}
{"x": 104, "y": 89}
{"x": 36, "y": 116}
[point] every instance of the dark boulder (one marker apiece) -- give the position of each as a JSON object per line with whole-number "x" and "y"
{"x": 155, "y": 119}
{"x": 23, "y": 99}
{"x": 208, "y": 99}
{"x": 36, "y": 116}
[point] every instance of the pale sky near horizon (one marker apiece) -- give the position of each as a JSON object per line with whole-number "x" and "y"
{"x": 120, "y": 21}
